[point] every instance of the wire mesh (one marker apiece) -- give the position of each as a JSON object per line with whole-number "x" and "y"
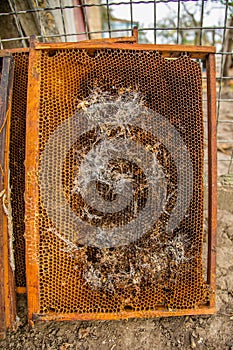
{"x": 186, "y": 21}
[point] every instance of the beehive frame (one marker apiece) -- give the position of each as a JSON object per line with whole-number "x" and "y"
{"x": 17, "y": 152}
{"x": 16, "y": 161}
{"x": 33, "y": 266}
{"x": 7, "y": 286}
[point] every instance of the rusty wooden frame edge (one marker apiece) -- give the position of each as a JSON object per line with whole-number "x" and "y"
{"x": 32, "y": 287}
{"x": 31, "y": 187}
{"x": 11, "y": 51}
{"x": 7, "y": 283}
{"x": 24, "y": 52}
{"x": 123, "y": 315}
{"x": 166, "y": 50}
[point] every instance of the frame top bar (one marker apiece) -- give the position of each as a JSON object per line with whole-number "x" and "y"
{"x": 166, "y": 50}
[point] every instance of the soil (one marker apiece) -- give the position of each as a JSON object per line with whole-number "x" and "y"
{"x": 187, "y": 332}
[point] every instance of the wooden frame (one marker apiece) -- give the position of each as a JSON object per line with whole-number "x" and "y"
{"x": 7, "y": 287}
{"x": 19, "y": 289}
{"x": 166, "y": 50}
{"x": 32, "y": 232}
{"x": 132, "y": 39}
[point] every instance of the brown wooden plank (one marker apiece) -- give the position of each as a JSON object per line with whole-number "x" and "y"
{"x": 7, "y": 51}
{"x": 7, "y": 287}
{"x": 166, "y": 50}
{"x": 31, "y": 192}
{"x": 202, "y": 310}
{"x": 129, "y": 39}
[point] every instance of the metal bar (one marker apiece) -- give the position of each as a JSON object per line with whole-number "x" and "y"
{"x": 155, "y": 21}
{"x": 218, "y": 78}
{"x": 221, "y": 100}
{"x": 201, "y": 21}
{"x": 131, "y": 13}
{"x": 212, "y": 175}
{"x": 17, "y": 21}
{"x": 224, "y": 99}
{"x": 224, "y": 160}
{"x": 178, "y": 23}
{"x": 99, "y": 32}
{"x": 63, "y": 20}
{"x": 108, "y": 15}
{"x": 221, "y": 121}
{"x": 102, "y": 4}
{"x": 222, "y": 61}
{"x": 40, "y": 22}
{"x": 190, "y": 28}
{"x": 223, "y": 53}
{"x": 225, "y": 141}
{"x": 87, "y": 32}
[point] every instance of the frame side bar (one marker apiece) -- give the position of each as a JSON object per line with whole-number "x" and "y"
{"x": 212, "y": 175}
{"x": 31, "y": 186}
{"x": 7, "y": 283}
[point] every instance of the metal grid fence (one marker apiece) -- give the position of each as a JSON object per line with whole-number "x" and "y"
{"x": 186, "y": 22}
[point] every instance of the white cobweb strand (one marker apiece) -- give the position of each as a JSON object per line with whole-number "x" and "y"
{"x": 153, "y": 259}
{"x": 125, "y": 108}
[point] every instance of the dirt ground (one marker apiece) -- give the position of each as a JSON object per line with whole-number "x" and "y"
{"x": 197, "y": 332}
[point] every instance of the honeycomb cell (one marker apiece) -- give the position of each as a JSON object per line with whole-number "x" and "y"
{"x": 17, "y": 158}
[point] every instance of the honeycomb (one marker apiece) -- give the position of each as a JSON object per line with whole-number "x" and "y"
{"x": 120, "y": 182}
{"x": 17, "y": 158}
